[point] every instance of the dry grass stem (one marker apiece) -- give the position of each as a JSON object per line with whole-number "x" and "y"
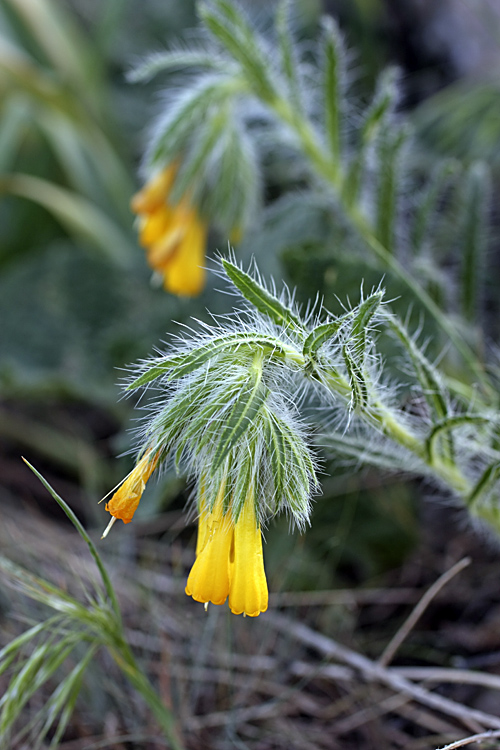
{"x": 417, "y": 612}
{"x": 482, "y": 737}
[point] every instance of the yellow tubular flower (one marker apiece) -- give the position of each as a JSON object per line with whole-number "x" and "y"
{"x": 229, "y": 560}
{"x": 124, "y": 502}
{"x": 209, "y": 578}
{"x": 174, "y": 236}
{"x": 248, "y": 591}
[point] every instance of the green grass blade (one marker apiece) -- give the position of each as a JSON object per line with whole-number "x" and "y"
{"x": 81, "y": 530}
{"x": 76, "y": 214}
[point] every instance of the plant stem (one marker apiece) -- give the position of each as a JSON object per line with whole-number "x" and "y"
{"x": 331, "y": 172}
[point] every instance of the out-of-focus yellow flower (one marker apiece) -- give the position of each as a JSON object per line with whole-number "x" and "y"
{"x": 229, "y": 560}
{"x": 124, "y": 502}
{"x": 174, "y": 236}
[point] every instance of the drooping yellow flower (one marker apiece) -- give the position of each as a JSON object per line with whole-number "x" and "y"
{"x": 124, "y": 502}
{"x": 229, "y": 560}
{"x": 174, "y": 235}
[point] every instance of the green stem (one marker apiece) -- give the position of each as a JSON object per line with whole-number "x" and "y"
{"x": 383, "y": 418}
{"x": 331, "y": 171}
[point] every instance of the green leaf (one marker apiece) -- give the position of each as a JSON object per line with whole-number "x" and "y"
{"x": 277, "y": 453}
{"x": 235, "y": 186}
{"x": 194, "y": 162}
{"x": 180, "y": 365}
{"x": 92, "y": 548}
{"x": 63, "y": 700}
{"x": 320, "y": 335}
{"x": 176, "y": 60}
{"x": 448, "y": 424}
{"x": 383, "y": 103}
{"x": 244, "y": 411}
{"x": 232, "y": 30}
{"x": 374, "y": 119}
{"x": 364, "y": 452}
{"x": 429, "y": 202}
{"x": 264, "y": 301}
{"x": 333, "y": 53}
{"x": 298, "y": 470}
{"x": 473, "y": 237}
{"x": 359, "y": 388}
{"x": 12, "y": 649}
{"x": 77, "y": 214}
{"x": 389, "y": 151}
{"x": 289, "y": 59}
{"x": 427, "y": 375}
{"x": 484, "y": 485}
{"x": 363, "y": 314}
{"x": 176, "y": 129}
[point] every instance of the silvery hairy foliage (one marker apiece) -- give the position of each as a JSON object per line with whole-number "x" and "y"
{"x": 233, "y": 93}
{"x": 232, "y": 393}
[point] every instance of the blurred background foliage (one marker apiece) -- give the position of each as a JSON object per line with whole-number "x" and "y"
{"x": 76, "y": 302}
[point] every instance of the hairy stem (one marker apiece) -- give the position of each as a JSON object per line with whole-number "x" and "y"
{"x": 331, "y": 172}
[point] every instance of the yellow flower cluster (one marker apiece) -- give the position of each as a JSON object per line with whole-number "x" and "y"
{"x": 229, "y": 559}
{"x": 173, "y": 235}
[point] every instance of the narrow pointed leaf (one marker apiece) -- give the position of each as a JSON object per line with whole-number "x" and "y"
{"x": 473, "y": 231}
{"x": 81, "y": 530}
{"x": 289, "y": 61}
{"x": 484, "y": 485}
{"x": 447, "y": 425}
{"x": 429, "y": 378}
{"x": 180, "y": 365}
{"x": 176, "y": 60}
{"x": 244, "y": 411}
{"x": 389, "y": 152}
{"x": 229, "y": 26}
{"x": 372, "y": 125}
{"x": 264, "y": 301}
{"x": 363, "y": 453}
{"x": 359, "y": 388}
{"x": 366, "y": 311}
{"x": 320, "y": 335}
{"x": 426, "y": 209}
{"x": 78, "y": 215}
{"x": 333, "y": 84}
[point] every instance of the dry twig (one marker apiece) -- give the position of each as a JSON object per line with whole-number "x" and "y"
{"x": 375, "y": 672}
{"x": 418, "y": 611}
{"x": 469, "y": 740}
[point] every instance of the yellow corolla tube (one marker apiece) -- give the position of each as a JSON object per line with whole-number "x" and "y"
{"x": 248, "y": 591}
{"x": 173, "y": 235}
{"x": 229, "y": 560}
{"x": 124, "y": 502}
{"x": 209, "y": 580}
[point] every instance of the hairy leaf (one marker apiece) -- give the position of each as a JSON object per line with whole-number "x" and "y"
{"x": 264, "y": 301}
